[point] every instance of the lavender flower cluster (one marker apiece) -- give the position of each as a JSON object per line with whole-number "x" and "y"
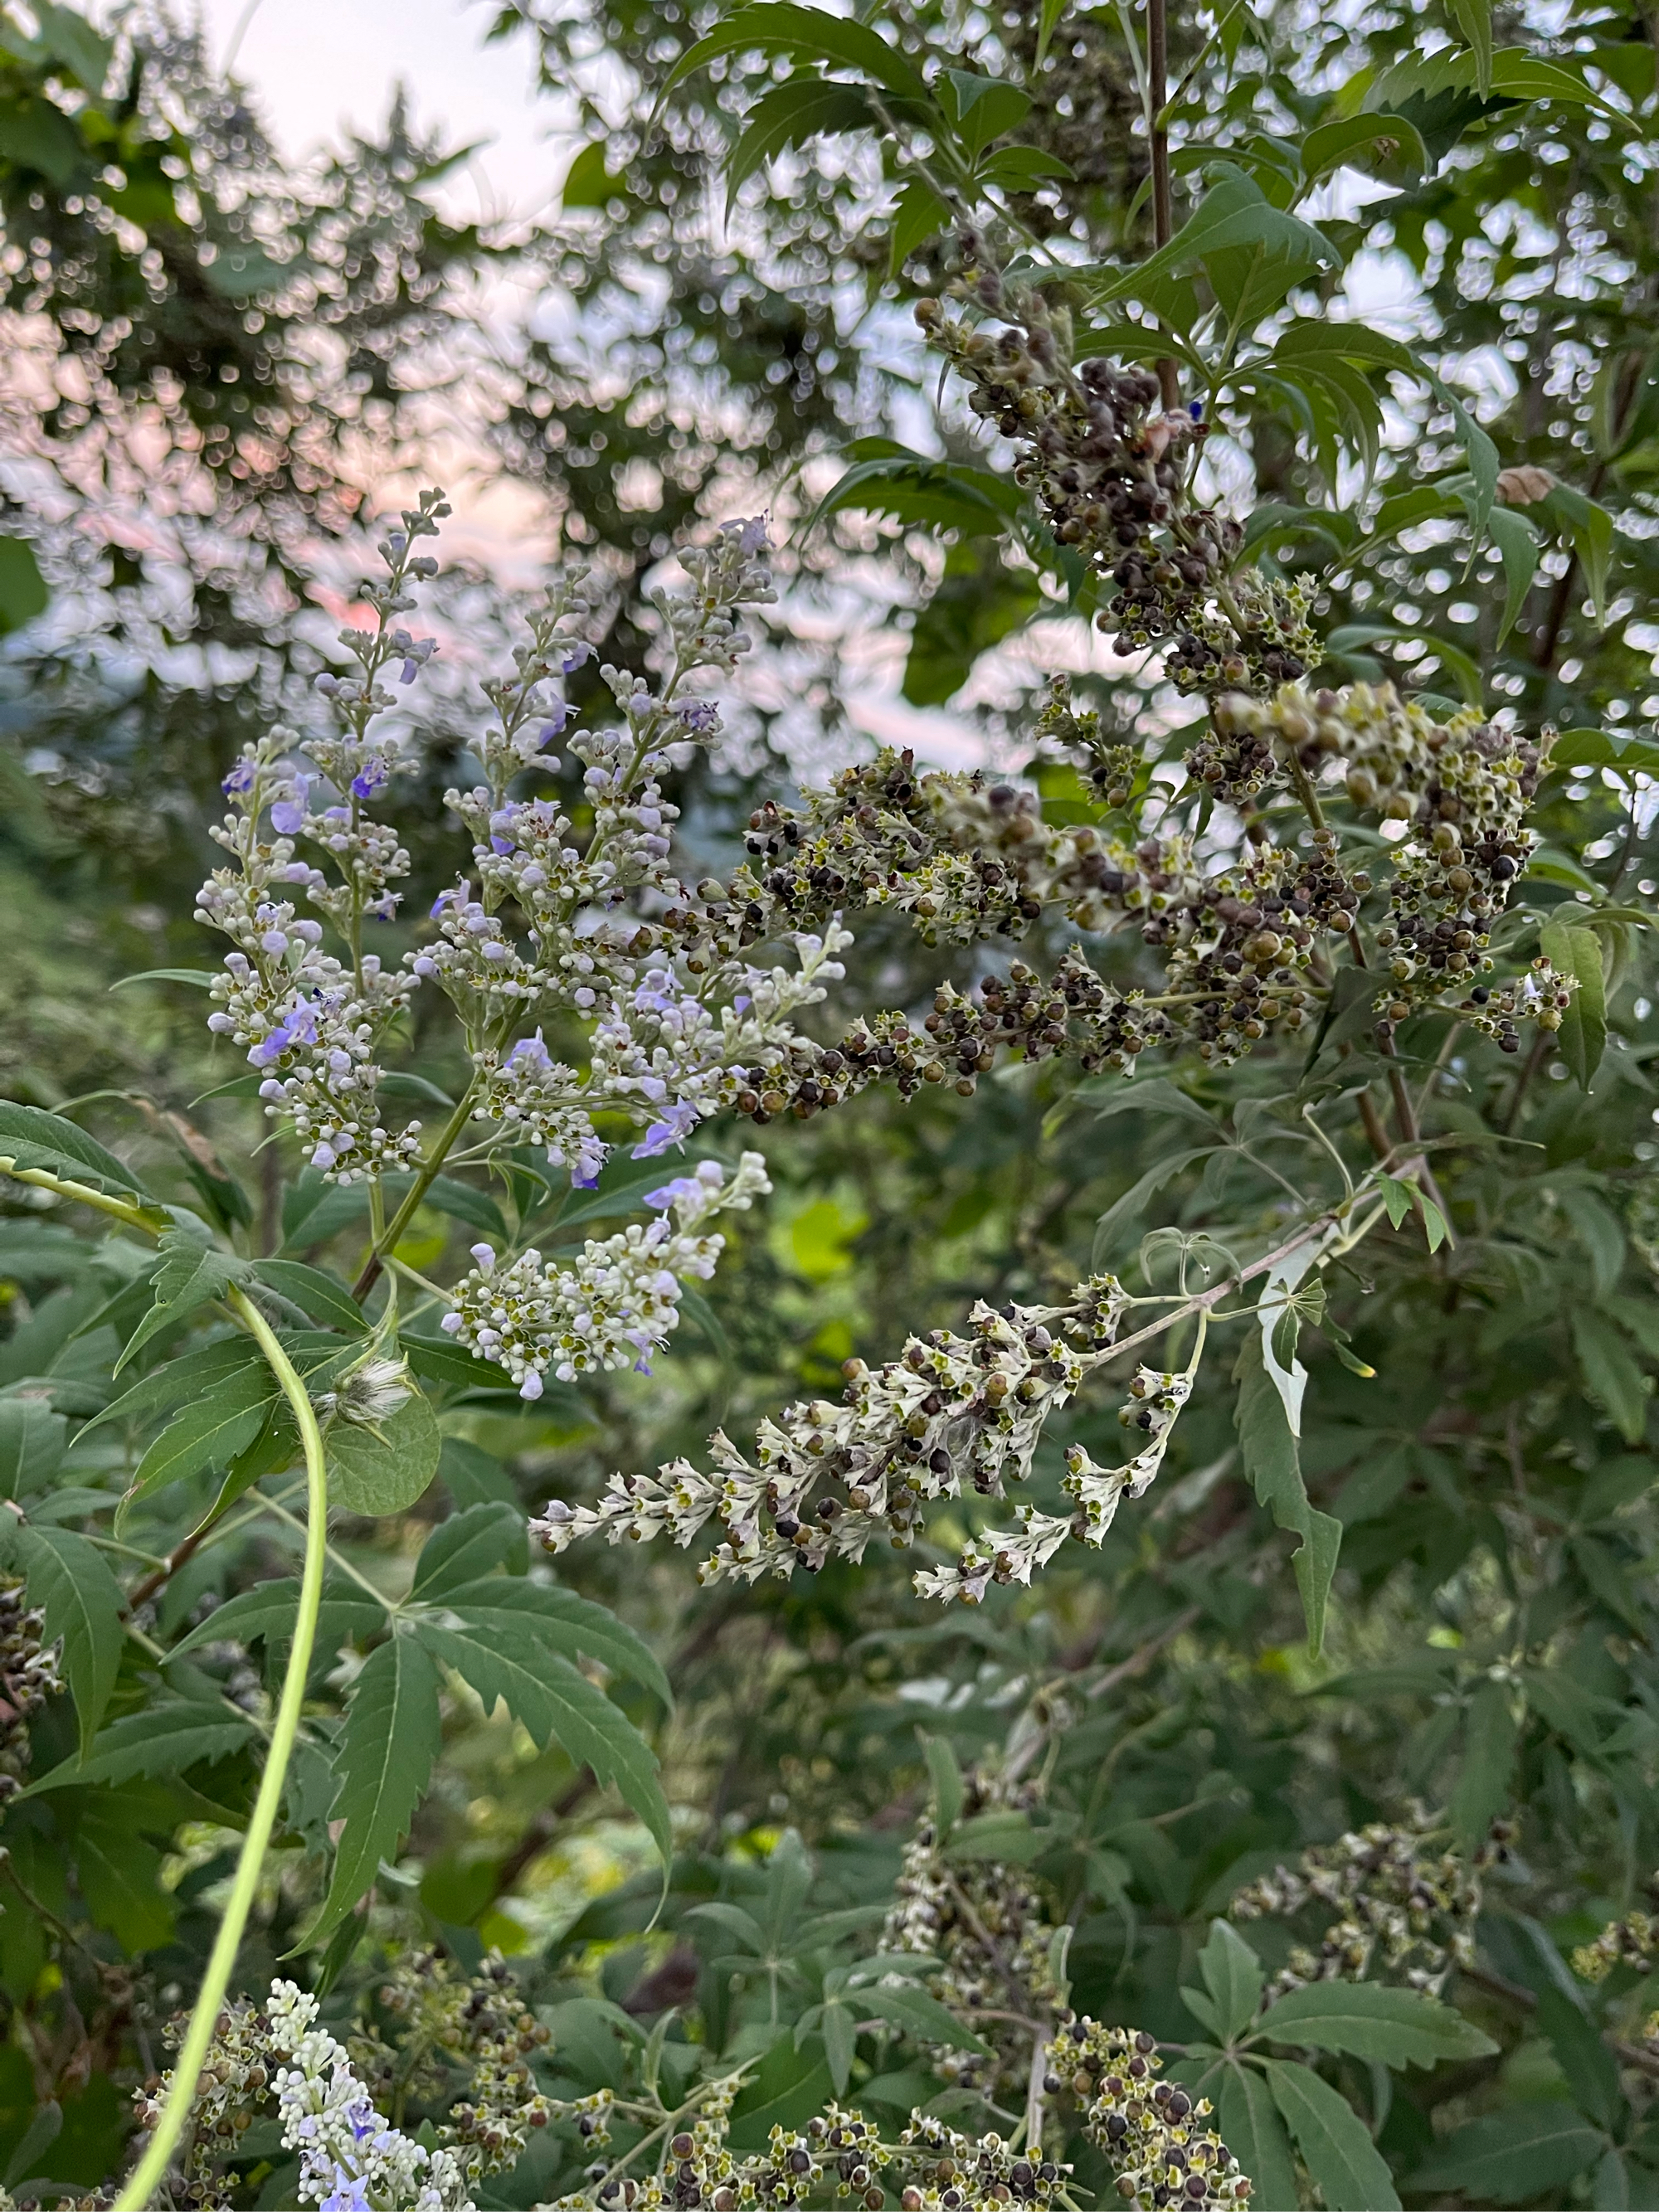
{"x": 615, "y": 1306}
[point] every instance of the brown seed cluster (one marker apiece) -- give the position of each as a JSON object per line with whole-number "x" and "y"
{"x": 1404, "y": 1903}
{"x": 1111, "y": 467}
{"x": 837, "y": 2157}
{"x": 1630, "y": 1941}
{"x": 985, "y": 1921}
{"x": 28, "y": 1676}
{"x": 1154, "y": 2133}
{"x": 482, "y": 2025}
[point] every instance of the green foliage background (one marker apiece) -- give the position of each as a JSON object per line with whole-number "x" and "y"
{"x": 1489, "y": 1647}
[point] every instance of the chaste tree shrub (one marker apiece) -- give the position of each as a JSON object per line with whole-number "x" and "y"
{"x": 1285, "y": 1783}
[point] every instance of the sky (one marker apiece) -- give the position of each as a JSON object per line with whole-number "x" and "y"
{"x": 319, "y": 66}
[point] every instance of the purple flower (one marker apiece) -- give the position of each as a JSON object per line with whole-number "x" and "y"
{"x": 574, "y": 659}
{"x": 530, "y": 1052}
{"x": 370, "y": 777}
{"x": 557, "y": 715}
{"x": 288, "y": 815}
{"x": 700, "y": 716}
{"x": 239, "y": 780}
{"x": 750, "y": 534}
{"x": 677, "y": 1124}
{"x": 349, "y": 2193}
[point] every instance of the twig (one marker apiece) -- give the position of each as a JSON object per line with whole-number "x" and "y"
{"x": 1139, "y": 1661}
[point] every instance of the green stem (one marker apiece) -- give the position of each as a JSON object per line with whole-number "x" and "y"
{"x": 149, "y": 1218}
{"x": 400, "y": 1220}
{"x": 152, "y": 2168}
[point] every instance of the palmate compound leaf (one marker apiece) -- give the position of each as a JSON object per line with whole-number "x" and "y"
{"x": 467, "y": 1545}
{"x": 267, "y": 1613}
{"x": 572, "y": 1625}
{"x": 1399, "y": 2028}
{"x": 383, "y": 1759}
{"x": 507, "y": 1657}
{"x": 1336, "y": 2146}
{"x": 164, "y": 1740}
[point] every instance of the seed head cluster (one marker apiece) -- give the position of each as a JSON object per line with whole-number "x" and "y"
{"x": 28, "y": 1676}
{"x": 1404, "y": 1903}
{"x": 951, "y": 1414}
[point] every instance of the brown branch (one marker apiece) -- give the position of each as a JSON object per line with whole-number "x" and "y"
{"x": 1138, "y": 1662}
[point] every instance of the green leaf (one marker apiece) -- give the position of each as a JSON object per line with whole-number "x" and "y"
{"x": 1233, "y": 217}
{"x": 511, "y": 1660}
{"x": 565, "y": 1623}
{"x": 1386, "y": 144}
{"x": 1122, "y": 1210}
{"x": 1253, "y": 2131}
{"x": 473, "y": 1476}
{"x": 192, "y": 1375}
{"x": 1399, "y": 2027}
{"x": 1576, "y": 950}
{"x": 385, "y": 1753}
{"x": 190, "y": 1275}
{"x": 918, "y": 215}
{"x": 1335, "y": 2147}
{"x": 588, "y": 182}
{"x": 775, "y": 26}
{"x": 267, "y": 1613}
{"x": 1610, "y": 1374}
{"x": 987, "y": 108}
{"x": 1514, "y": 2156}
{"x": 1590, "y": 529}
{"x": 23, "y": 593}
{"x": 316, "y": 1294}
{"x": 1232, "y": 1974}
{"x": 1273, "y": 1467}
{"x": 440, "y": 1359}
{"x": 918, "y": 491}
{"x": 1482, "y": 1791}
{"x": 31, "y": 1444}
{"x": 70, "y": 1581}
{"x": 918, "y": 2015}
{"x": 205, "y": 1434}
{"x": 948, "y": 1789}
{"x": 384, "y": 1469}
{"x": 799, "y": 109}
{"x": 120, "y": 1871}
{"x": 31, "y": 1137}
{"x": 457, "y": 1198}
{"x": 1473, "y": 19}
{"x": 166, "y": 1739}
{"x": 466, "y": 1547}
{"x": 1516, "y": 540}
{"x": 790, "y": 2087}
